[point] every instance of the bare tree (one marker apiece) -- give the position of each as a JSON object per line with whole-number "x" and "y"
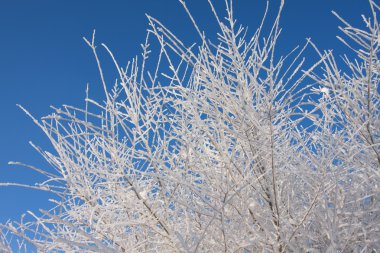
{"x": 223, "y": 147}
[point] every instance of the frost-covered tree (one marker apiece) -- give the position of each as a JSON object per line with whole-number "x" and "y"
{"x": 221, "y": 147}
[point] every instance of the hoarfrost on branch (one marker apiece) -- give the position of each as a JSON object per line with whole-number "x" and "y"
{"x": 222, "y": 147}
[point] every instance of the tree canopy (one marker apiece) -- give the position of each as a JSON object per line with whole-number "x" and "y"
{"x": 221, "y": 146}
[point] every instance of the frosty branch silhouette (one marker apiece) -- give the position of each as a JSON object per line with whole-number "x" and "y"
{"x": 225, "y": 147}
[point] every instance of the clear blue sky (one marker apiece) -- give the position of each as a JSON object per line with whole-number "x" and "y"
{"x": 44, "y": 61}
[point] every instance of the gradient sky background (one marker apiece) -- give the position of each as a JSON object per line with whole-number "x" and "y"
{"x": 44, "y": 60}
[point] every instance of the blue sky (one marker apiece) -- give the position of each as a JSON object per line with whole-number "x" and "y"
{"x": 44, "y": 60}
